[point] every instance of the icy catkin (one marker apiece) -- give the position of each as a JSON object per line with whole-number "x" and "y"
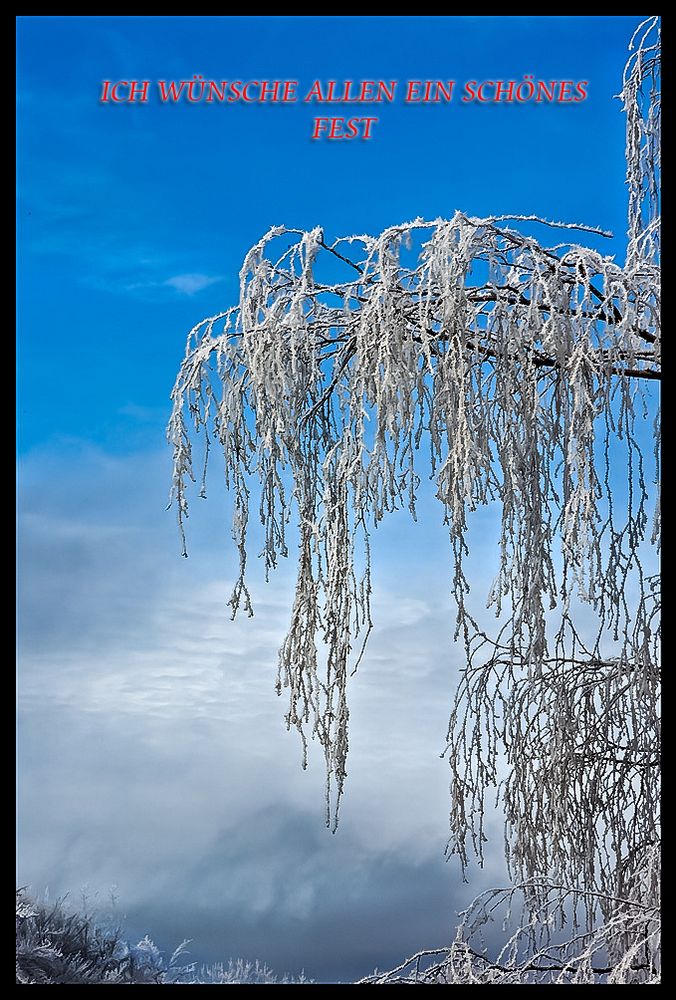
{"x": 522, "y": 373}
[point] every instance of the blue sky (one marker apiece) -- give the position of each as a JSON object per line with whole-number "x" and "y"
{"x": 138, "y": 698}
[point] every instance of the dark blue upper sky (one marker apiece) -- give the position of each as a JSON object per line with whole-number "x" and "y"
{"x": 134, "y": 218}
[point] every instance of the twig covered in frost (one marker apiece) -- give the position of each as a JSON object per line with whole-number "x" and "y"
{"x": 548, "y": 942}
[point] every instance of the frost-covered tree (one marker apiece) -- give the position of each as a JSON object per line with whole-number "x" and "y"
{"x": 521, "y": 375}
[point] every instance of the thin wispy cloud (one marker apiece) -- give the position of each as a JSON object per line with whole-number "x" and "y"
{"x": 190, "y": 284}
{"x": 111, "y": 252}
{"x": 153, "y": 415}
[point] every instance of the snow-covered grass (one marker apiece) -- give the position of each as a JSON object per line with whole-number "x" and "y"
{"x": 56, "y": 945}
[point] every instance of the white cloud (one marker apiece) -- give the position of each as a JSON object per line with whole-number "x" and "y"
{"x": 154, "y": 755}
{"x": 190, "y": 284}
